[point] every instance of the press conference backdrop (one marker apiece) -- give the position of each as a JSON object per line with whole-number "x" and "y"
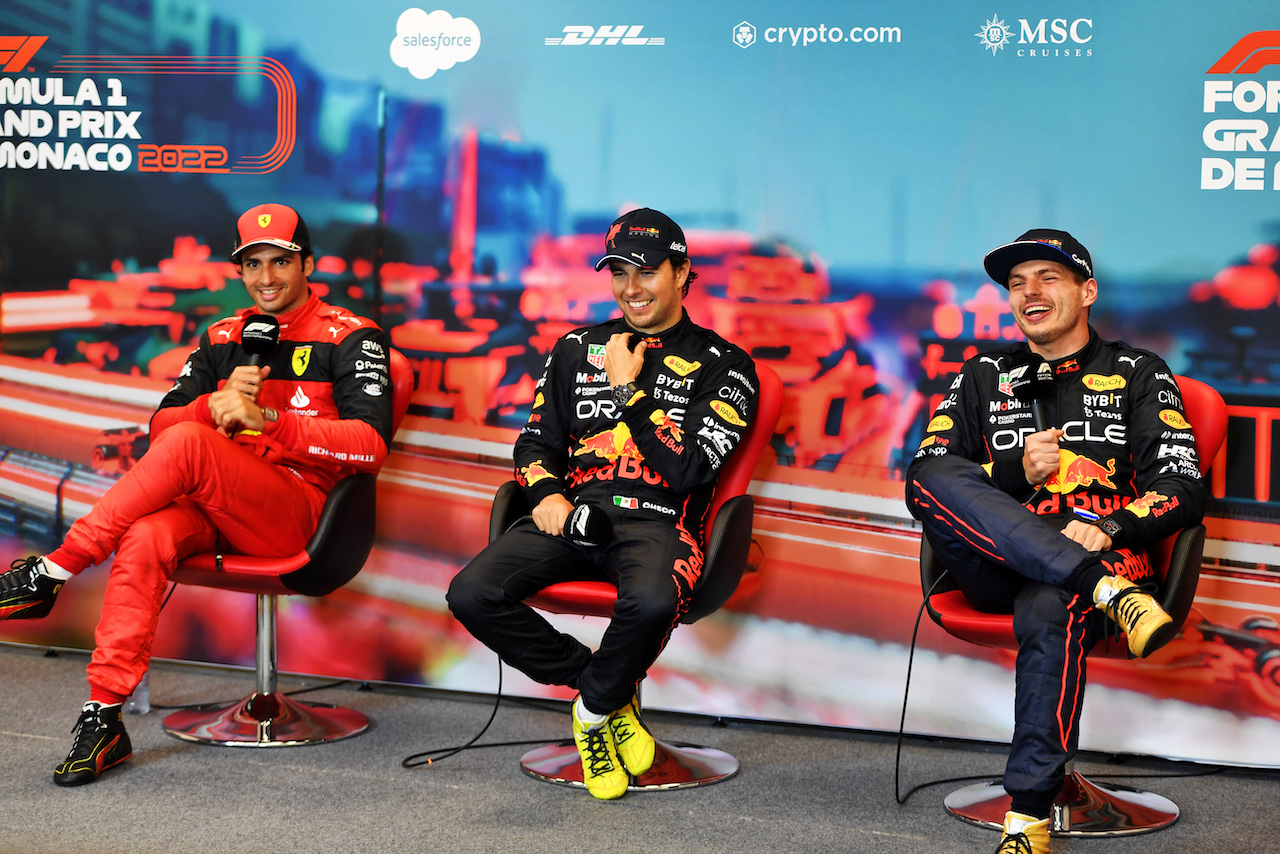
{"x": 840, "y": 170}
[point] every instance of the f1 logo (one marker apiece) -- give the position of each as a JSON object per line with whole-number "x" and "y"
{"x": 16, "y": 51}
{"x": 1250, "y": 55}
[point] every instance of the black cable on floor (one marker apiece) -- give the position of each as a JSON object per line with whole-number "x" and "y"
{"x": 416, "y": 760}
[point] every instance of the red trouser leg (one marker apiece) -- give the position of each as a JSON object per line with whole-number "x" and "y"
{"x": 193, "y": 486}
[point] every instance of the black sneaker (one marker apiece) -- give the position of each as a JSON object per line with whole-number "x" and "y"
{"x": 100, "y": 743}
{"x": 26, "y": 593}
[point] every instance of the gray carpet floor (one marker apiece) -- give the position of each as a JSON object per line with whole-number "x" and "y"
{"x": 800, "y": 789}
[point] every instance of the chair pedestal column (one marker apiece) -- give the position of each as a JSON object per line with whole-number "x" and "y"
{"x": 267, "y": 718}
{"x": 1082, "y": 808}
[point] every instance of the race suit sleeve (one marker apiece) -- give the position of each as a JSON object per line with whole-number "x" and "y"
{"x": 1171, "y": 492}
{"x": 361, "y": 434}
{"x": 953, "y": 429}
{"x": 188, "y": 400}
{"x": 689, "y": 454}
{"x": 541, "y": 453}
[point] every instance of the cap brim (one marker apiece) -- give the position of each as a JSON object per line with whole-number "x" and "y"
{"x": 644, "y": 260}
{"x": 273, "y": 241}
{"x": 1001, "y": 260}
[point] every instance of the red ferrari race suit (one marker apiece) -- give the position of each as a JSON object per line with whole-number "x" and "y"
{"x": 650, "y": 465}
{"x": 257, "y": 493}
{"x": 1128, "y": 461}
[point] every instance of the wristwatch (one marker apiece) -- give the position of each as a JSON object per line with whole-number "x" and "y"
{"x": 1109, "y": 526}
{"x": 623, "y": 393}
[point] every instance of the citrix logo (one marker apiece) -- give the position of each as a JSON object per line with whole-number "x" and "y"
{"x": 626, "y": 34}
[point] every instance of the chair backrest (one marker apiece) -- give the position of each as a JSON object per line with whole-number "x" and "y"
{"x": 726, "y": 535}
{"x": 1176, "y": 558}
{"x": 342, "y": 541}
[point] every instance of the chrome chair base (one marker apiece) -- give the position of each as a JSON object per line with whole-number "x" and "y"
{"x": 1082, "y": 808}
{"x": 675, "y": 766}
{"x": 265, "y": 720}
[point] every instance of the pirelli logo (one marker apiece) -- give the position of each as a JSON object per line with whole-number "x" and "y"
{"x": 17, "y": 51}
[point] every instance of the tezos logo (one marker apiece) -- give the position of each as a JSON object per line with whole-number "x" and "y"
{"x": 996, "y": 34}
{"x": 744, "y": 34}
{"x": 626, "y": 34}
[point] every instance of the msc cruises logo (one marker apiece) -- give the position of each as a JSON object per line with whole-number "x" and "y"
{"x": 627, "y": 34}
{"x": 994, "y": 35}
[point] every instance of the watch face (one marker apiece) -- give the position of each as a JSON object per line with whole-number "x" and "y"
{"x": 622, "y": 393}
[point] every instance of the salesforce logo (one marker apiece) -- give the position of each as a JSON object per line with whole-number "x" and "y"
{"x": 427, "y": 43}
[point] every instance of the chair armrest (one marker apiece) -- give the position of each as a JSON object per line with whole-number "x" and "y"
{"x": 509, "y": 504}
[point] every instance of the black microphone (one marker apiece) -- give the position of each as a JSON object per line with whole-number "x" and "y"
{"x": 588, "y": 526}
{"x": 259, "y": 337}
{"x": 1031, "y": 380}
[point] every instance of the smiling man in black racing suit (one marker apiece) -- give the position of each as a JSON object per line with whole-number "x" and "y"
{"x": 633, "y": 419}
{"x": 1051, "y": 524}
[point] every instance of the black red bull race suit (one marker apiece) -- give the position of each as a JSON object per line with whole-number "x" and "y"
{"x": 1128, "y": 464}
{"x": 258, "y": 493}
{"x": 650, "y": 465}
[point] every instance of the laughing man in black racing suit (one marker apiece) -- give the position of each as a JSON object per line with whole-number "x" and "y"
{"x": 631, "y": 421}
{"x": 1049, "y": 521}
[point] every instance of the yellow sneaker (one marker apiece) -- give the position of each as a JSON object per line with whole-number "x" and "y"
{"x": 1024, "y": 834}
{"x": 602, "y": 771}
{"x": 632, "y": 738}
{"x": 1145, "y": 623}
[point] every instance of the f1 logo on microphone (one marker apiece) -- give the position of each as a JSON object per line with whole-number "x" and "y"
{"x": 17, "y": 51}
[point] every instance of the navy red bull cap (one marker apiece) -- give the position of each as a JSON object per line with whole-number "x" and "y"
{"x": 278, "y": 225}
{"x": 1038, "y": 244}
{"x": 643, "y": 237}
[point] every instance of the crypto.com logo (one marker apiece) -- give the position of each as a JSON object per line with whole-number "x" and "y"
{"x": 16, "y": 51}
{"x": 744, "y": 35}
{"x": 1250, "y": 55}
{"x": 622, "y": 34}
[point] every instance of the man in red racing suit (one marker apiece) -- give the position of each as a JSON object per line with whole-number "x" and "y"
{"x": 1050, "y": 522}
{"x": 241, "y": 455}
{"x": 631, "y": 419}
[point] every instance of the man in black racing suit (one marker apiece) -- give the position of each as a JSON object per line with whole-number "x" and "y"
{"x": 1051, "y": 524}
{"x": 632, "y": 419}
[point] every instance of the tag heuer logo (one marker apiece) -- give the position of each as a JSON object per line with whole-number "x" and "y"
{"x": 595, "y": 355}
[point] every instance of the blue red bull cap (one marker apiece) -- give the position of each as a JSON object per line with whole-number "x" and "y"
{"x": 643, "y": 237}
{"x": 1038, "y": 244}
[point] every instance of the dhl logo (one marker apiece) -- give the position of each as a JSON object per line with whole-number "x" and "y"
{"x": 940, "y": 423}
{"x": 680, "y": 366}
{"x": 1097, "y": 382}
{"x": 610, "y": 444}
{"x": 1174, "y": 419}
{"x": 17, "y": 51}
{"x": 1141, "y": 507}
{"x": 728, "y": 413}
{"x": 534, "y": 472}
{"x": 1076, "y": 471}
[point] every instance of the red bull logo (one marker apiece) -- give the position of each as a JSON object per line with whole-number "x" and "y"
{"x": 609, "y": 444}
{"x": 668, "y": 431}
{"x": 1141, "y": 507}
{"x": 1075, "y": 471}
{"x": 532, "y": 473}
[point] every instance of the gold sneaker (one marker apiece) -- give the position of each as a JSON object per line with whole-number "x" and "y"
{"x": 602, "y": 771}
{"x": 632, "y": 738}
{"x": 1024, "y": 834}
{"x": 1145, "y": 623}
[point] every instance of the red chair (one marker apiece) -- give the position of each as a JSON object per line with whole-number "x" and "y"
{"x": 337, "y": 551}
{"x": 1086, "y": 808}
{"x": 726, "y": 545}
